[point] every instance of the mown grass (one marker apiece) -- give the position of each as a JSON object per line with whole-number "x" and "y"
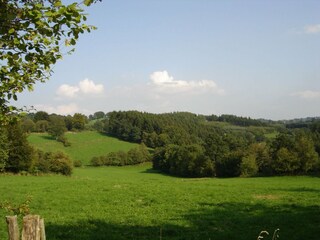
{"x": 123, "y": 203}
{"x": 84, "y": 145}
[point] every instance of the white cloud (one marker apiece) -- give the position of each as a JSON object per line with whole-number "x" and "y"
{"x": 85, "y": 86}
{"x": 312, "y": 29}
{"x": 308, "y": 94}
{"x": 66, "y": 90}
{"x": 60, "y": 109}
{"x": 164, "y": 82}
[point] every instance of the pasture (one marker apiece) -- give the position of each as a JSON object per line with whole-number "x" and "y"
{"x": 84, "y": 145}
{"x": 134, "y": 202}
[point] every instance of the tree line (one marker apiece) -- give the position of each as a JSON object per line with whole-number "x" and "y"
{"x": 183, "y": 143}
{"x": 186, "y": 146}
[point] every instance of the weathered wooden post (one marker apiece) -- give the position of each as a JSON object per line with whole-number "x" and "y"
{"x": 32, "y": 229}
{"x": 42, "y": 230}
{"x": 13, "y": 227}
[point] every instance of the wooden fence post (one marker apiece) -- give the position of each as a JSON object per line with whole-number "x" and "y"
{"x": 13, "y": 227}
{"x": 42, "y": 230}
{"x": 31, "y": 227}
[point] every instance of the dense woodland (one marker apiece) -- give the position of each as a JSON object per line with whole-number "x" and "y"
{"x": 181, "y": 143}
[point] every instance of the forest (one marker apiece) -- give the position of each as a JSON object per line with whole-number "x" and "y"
{"x": 179, "y": 143}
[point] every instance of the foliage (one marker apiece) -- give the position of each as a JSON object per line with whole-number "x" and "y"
{"x": 20, "y": 154}
{"x": 40, "y": 116}
{"x": 61, "y": 163}
{"x": 77, "y": 163}
{"x": 28, "y": 125}
{"x": 294, "y": 152}
{"x": 249, "y": 166}
{"x": 185, "y": 160}
{"x": 42, "y": 126}
{"x": 57, "y": 162}
{"x": 21, "y": 209}
{"x": 78, "y": 121}
{"x": 4, "y": 148}
{"x": 57, "y": 126}
{"x": 229, "y": 166}
{"x": 31, "y": 37}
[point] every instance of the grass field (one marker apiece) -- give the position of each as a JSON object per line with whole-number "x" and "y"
{"x": 84, "y": 145}
{"x": 123, "y": 203}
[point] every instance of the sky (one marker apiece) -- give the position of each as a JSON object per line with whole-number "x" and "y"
{"x": 251, "y": 58}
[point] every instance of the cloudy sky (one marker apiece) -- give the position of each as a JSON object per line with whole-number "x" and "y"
{"x": 244, "y": 57}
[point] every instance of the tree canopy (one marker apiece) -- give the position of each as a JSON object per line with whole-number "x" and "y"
{"x": 32, "y": 36}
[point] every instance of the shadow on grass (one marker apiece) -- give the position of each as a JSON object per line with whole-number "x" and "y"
{"x": 155, "y": 171}
{"x": 48, "y": 137}
{"x": 224, "y": 221}
{"x": 303, "y": 189}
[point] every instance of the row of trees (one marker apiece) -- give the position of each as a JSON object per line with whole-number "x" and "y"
{"x": 236, "y": 120}
{"x": 186, "y": 146}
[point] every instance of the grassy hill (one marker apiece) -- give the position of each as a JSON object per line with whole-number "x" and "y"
{"x": 134, "y": 202}
{"x": 84, "y": 145}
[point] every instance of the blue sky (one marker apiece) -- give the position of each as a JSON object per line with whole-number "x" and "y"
{"x": 258, "y": 58}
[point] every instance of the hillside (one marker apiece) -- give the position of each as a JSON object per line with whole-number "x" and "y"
{"x": 84, "y": 145}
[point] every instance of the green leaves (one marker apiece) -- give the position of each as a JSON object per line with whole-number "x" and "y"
{"x": 31, "y": 34}
{"x": 11, "y": 30}
{"x": 88, "y": 2}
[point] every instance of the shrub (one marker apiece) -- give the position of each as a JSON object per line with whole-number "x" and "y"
{"x": 96, "y": 161}
{"x": 64, "y": 140}
{"x": 43, "y": 161}
{"x": 61, "y": 163}
{"x": 77, "y": 163}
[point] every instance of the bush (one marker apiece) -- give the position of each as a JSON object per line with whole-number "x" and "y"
{"x": 96, "y": 161}
{"x": 43, "y": 161}
{"x": 64, "y": 140}
{"x": 77, "y": 163}
{"x": 61, "y": 163}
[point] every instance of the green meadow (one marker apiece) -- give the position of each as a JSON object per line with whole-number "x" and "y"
{"x": 135, "y": 202}
{"x": 84, "y": 145}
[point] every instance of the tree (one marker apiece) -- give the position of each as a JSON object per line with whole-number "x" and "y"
{"x": 42, "y": 126}
{"x": 4, "y": 148}
{"x": 21, "y": 154}
{"x": 28, "y": 125}
{"x": 57, "y": 126}
{"x": 309, "y": 159}
{"x": 69, "y": 122}
{"x": 79, "y": 121}
{"x": 31, "y": 36}
{"x": 41, "y": 116}
{"x": 249, "y": 166}
{"x": 286, "y": 161}
{"x": 98, "y": 115}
